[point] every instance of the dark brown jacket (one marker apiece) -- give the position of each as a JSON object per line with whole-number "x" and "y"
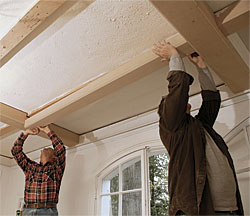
{"x": 184, "y": 139}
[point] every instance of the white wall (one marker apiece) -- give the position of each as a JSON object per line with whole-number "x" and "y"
{"x": 77, "y": 195}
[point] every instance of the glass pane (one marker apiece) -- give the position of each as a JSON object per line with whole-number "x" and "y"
{"x": 110, "y": 183}
{"x": 110, "y": 205}
{"x": 158, "y": 176}
{"x": 131, "y": 174}
{"x": 131, "y": 204}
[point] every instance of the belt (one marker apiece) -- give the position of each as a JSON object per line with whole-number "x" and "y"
{"x": 40, "y": 205}
{"x": 227, "y": 212}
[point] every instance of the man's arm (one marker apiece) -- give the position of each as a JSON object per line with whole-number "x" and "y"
{"x": 17, "y": 151}
{"x": 173, "y": 107}
{"x": 59, "y": 149}
{"x": 210, "y": 96}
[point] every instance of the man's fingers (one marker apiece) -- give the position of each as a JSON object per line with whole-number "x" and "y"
{"x": 164, "y": 42}
{"x": 158, "y": 53}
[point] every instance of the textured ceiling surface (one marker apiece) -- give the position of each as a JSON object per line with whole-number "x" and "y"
{"x": 11, "y": 11}
{"x": 79, "y": 46}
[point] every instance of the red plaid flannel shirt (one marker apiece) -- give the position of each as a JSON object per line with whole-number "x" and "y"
{"x": 42, "y": 182}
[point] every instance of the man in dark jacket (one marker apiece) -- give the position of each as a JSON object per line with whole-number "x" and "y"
{"x": 202, "y": 178}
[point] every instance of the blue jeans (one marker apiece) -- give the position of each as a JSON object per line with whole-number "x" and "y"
{"x": 41, "y": 211}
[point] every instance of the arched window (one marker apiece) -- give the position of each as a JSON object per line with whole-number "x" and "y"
{"x": 136, "y": 184}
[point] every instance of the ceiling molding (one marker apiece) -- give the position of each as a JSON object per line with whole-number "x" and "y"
{"x": 105, "y": 84}
{"x": 234, "y": 18}
{"x": 195, "y": 21}
{"x": 16, "y": 118}
{"x": 36, "y": 20}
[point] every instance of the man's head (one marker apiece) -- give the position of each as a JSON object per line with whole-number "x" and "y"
{"x": 188, "y": 110}
{"x": 47, "y": 155}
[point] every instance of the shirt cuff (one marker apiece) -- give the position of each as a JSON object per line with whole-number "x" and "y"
{"x": 176, "y": 63}
{"x": 206, "y": 80}
{"x": 51, "y": 133}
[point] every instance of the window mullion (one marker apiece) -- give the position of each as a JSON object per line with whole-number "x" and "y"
{"x": 147, "y": 186}
{"x": 120, "y": 190}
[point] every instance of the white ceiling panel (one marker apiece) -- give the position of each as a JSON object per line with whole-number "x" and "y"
{"x": 77, "y": 47}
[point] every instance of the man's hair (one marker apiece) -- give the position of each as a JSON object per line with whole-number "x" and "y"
{"x": 49, "y": 153}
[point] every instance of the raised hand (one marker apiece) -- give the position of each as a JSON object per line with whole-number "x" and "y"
{"x": 164, "y": 50}
{"x": 197, "y": 61}
{"x": 33, "y": 131}
{"x": 44, "y": 129}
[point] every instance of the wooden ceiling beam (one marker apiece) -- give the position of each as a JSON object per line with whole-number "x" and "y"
{"x": 12, "y": 116}
{"x": 195, "y": 21}
{"x": 36, "y": 20}
{"x": 16, "y": 118}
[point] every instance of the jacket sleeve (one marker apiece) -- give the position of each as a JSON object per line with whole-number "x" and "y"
{"x": 60, "y": 152}
{"x": 210, "y": 98}
{"x": 210, "y": 107}
{"x": 172, "y": 109}
{"x": 17, "y": 151}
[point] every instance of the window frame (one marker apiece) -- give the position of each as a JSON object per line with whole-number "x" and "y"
{"x": 144, "y": 154}
{"x": 118, "y": 164}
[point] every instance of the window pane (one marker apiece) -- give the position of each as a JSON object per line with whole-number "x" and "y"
{"x": 131, "y": 174}
{"x": 158, "y": 176}
{"x": 110, "y": 183}
{"x": 131, "y": 204}
{"x": 110, "y": 205}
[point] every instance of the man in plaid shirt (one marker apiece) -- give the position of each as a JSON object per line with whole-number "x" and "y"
{"x": 42, "y": 180}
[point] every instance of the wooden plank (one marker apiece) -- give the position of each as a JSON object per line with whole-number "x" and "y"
{"x": 69, "y": 138}
{"x": 12, "y": 116}
{"x": 109, "y": 82}
{"x": 42, "y": 15}
{"x": 7, "y": 131}
{"x": 195, "y": 21}
{"x": 16, "y": 118}
{"x": 234, "y": 18}
{"x": 37, "y": 14}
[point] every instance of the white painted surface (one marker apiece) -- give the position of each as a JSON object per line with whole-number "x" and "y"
{"x": 11, "y": 11}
